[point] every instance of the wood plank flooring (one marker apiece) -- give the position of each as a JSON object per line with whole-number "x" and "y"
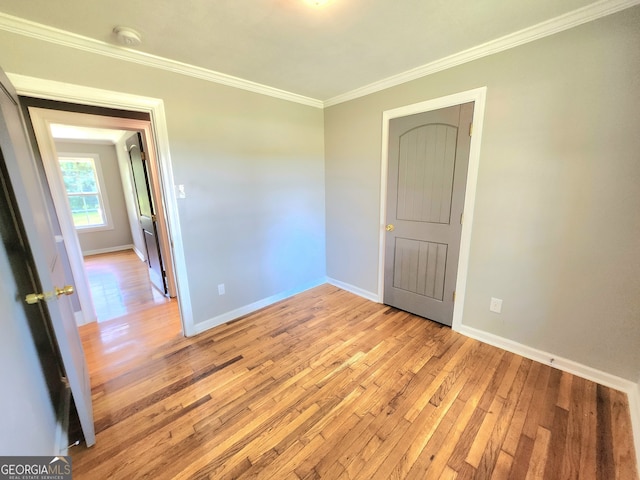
{"x": 120, "y": 284}
{"x": 329, "y": 385}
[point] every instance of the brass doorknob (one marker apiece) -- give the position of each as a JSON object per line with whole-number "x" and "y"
{"x": 36, "y": 297}
{"x": 66, "y": 290}
{"x": 390, "y": 228}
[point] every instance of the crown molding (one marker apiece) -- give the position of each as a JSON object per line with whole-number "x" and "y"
{"x": 569, "y": 20}
{"x": 57, "y": 36}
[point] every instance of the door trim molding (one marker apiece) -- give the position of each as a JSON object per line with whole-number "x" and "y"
{"x": 52, "y": 90}
{"x": 478, "y": 96}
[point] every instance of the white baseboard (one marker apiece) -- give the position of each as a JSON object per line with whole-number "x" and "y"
{"x": 108, "y": 250}
{"x": 355, "y": 290}
{"x": 247, "y": 309}
{"x": 547, "y": 358}
{"x": 631, "y": 389}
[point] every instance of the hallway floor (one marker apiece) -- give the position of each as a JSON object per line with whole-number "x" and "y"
{"x": 120, "y": 284}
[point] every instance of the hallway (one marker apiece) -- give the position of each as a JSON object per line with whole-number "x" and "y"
{"x": 129, "y": 308}
{"x": 120, "y": 284}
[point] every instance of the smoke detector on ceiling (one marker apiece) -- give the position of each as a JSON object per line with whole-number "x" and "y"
{"x": 127, "y": 36}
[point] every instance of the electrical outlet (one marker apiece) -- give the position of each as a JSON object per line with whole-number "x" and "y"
{"x": 181, "y": 192}
{"x": 495, "y": 305}
{"x": 221, "y": 289}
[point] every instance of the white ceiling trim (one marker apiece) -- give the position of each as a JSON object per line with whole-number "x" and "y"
{"x": 569, "y": 20}
{"x": 544, "y": 29}
{"x": 39, "y": 31}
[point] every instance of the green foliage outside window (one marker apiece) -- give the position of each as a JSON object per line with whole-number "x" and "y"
{"x": 81, "y": 182}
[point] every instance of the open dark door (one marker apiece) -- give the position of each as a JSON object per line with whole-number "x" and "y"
{"x": 146, "y": 212}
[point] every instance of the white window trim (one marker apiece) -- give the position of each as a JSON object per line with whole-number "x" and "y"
{"x": 102, "y": 189}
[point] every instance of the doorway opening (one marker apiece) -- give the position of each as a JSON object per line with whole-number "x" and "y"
{"x": 99, "y": 210}
{"x": 91, "y": 100}
{"x": 100, "y": 185}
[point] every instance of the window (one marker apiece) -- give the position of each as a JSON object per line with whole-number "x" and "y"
{"x": 83, "y": 182}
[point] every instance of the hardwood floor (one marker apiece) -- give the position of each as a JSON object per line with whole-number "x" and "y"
{"x": 329, "y": 385}
{"x": 120, "y": 284}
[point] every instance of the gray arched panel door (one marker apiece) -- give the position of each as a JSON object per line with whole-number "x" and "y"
{"x": 428, "y": 161}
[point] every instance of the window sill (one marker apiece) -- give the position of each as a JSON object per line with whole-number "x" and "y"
{"x": 101, "y": 228}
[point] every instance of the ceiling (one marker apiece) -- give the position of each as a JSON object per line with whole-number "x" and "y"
{"x": 78, "y": 133}
{"x": 319, "y": 52}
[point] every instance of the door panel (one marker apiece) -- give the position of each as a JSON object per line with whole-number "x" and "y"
{"x": 420, "y": 267}
{"x": 428, "y": 159}
{"x": 146, "y": 212}
{"x": 425, "y": 173}
{"x": 39, "y": 235}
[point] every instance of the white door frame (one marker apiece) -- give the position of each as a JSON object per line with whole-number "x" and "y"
{"x": 42, "y": 119}
{"x": 52, "y": 90}
{"x": 478, "y": 96}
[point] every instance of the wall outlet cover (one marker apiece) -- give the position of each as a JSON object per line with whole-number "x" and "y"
{"x": 495, "y": 305}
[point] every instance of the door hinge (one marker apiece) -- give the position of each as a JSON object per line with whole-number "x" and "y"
{"x": 142, "y": 155}
{"x": 471, "y": 129}
{"x": 454, "y": 296}
{"x": 461, "y": 218}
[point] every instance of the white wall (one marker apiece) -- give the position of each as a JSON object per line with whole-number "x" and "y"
{"x": 252, "y": 166}
{"x": 120, "y": 234}
{"x": 557, "y": 222}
